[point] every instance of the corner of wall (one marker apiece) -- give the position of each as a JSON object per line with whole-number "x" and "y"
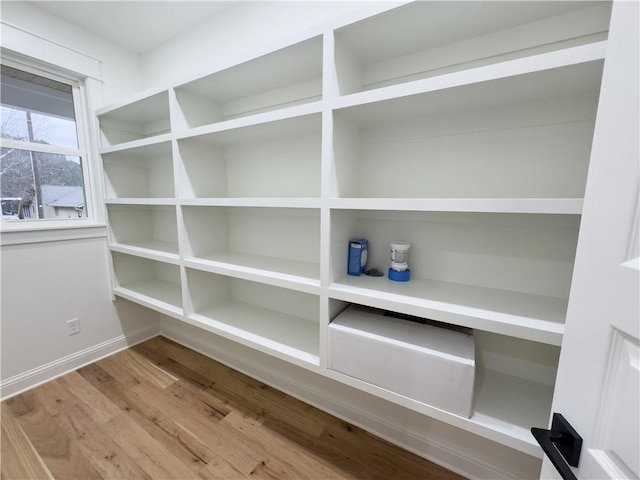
{"x": 37, "y": 376}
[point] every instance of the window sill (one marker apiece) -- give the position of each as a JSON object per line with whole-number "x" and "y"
{"x": 17, "y": 234}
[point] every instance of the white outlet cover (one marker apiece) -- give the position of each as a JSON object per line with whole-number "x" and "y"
{"x": 73, "y": 326}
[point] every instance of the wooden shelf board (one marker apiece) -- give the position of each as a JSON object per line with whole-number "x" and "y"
{"x": 277, "y": 271}
{"x": 141, "y": 201}
{"x": 147, "y": 151}
{"x": 273, "y": 202}
{"x": 147, "y": 101}
{"x": 286, "y": 121}
{"x": 133, "y": 144}
{"x": 162, "y": 251}
{"x": 255, "y": 326}
{"x": 161, "y": 296}
{"x": 504, "y": 408}
{"x": 511, "y": 406}
{"x": 533, "y": 317}
{"x": 275, "y": 69}
{"x": 161, "y": 290}
{"x": 577, "y": 61}
{"x": 427, "y": 26}
{"x": 561, "y": 206}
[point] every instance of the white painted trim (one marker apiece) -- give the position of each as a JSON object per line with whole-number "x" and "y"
{"x": 37, "y": 376}
{"x": 19, "y": 40}
{"x": 40, "y": 147}
{"x": 53, "y": 231}
{"x": 423, "y": 444}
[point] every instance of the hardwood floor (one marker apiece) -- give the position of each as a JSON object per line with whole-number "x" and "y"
{"x": 160, "y": 410}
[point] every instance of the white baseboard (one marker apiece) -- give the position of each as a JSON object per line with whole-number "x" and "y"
{"x": 374, "y": 415}
{"x": 32, "y": 378}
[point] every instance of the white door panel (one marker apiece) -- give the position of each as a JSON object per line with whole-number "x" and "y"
{"x": 598, "y": 382}
{"x": 614, "y": 453}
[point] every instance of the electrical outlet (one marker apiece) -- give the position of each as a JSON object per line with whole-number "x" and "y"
{"x": 73, "y": 326}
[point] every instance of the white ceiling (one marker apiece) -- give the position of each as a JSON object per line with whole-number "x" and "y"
{"x": 134, "y": 25}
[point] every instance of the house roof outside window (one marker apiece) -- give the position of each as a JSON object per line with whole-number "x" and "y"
{"x": 62, "y": 196}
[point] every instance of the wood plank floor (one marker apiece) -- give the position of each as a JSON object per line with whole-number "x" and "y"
{"x": 160, "y": 410}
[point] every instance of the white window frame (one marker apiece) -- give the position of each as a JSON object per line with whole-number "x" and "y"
{"x": 86, "y": 148}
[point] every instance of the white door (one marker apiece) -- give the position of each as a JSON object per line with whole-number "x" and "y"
{"x": 597, "y": 389}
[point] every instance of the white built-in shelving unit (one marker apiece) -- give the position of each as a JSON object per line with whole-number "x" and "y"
{"x": 463, "y": 128}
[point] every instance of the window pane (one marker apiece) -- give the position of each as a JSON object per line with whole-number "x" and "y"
{"x": 41, "y": 185}
{"x": 14, "y": 124}
{"x": 37, "y": 109}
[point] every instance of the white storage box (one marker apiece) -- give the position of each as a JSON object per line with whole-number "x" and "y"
{"x": 430, "y": 364}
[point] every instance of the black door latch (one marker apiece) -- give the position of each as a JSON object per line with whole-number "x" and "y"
{"x": 561, "y": 444}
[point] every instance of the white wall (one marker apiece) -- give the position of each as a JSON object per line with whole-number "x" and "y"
{"x": 43, "y": 286}
{"x": 44, "y": 283}
{"x": 119, "y": 69}
{"x": 241, "y": 28}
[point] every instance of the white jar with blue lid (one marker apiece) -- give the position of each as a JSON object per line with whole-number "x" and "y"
{"x": 399, "y": 270}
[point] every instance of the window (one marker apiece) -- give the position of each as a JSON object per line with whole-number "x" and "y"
{"x": 42, "y": 157}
